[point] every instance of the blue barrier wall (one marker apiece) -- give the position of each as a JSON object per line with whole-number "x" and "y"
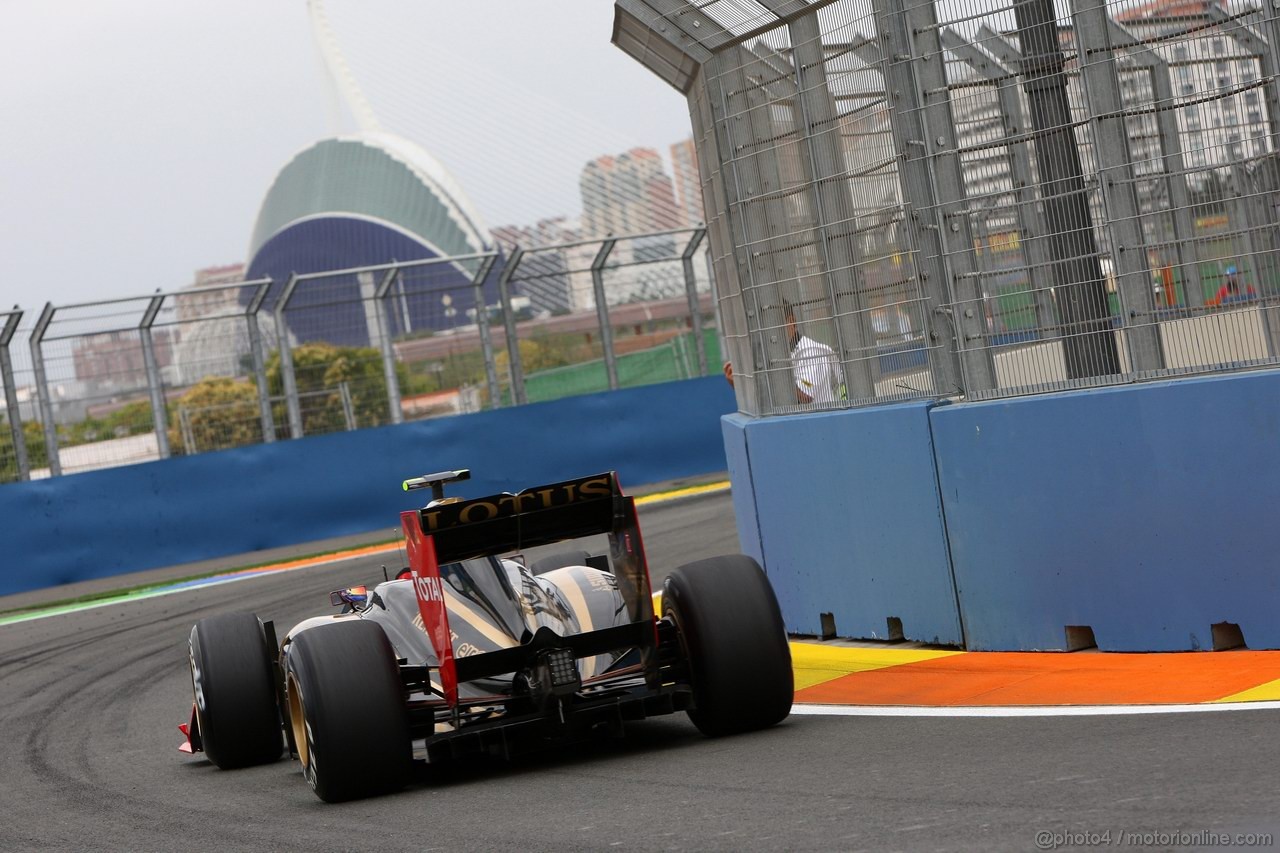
{"x": 847, "y": 512}
{"x": 127, "y": 519}
{"x": 1148, "y": 513}
{"x": 734, "y": 430}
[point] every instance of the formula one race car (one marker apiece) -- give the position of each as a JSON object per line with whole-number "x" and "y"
{"x": 471, "y": 650}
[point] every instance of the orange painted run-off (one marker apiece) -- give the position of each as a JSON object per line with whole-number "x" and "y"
{"x": 844, "y": 675}
{"x": 304, "y": 562}
{"x": 1048, "y": 678}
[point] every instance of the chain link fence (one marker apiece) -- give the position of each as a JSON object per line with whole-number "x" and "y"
{"x": 623, "y": 311}
{"x": 915, "y": 200}
{"x": 905, "y": 200}
{"x": 206, "y": 368}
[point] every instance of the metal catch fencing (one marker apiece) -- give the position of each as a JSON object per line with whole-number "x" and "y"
{"x": 206, "y": 368}
{"x": 912, "y": 200}
{"x": 623, "y": 312}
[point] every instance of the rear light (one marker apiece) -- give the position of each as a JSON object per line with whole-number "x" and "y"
{"x": 563, "y": 668}
{"x": 555, "y": 674}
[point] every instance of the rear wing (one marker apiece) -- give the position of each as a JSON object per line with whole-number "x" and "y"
{"x": 512, "y": 522}
{"x": 447, "y": 532}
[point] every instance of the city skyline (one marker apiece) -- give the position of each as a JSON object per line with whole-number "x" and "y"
{"x": 624, "y": 193}
{"x": 153, "y": 175}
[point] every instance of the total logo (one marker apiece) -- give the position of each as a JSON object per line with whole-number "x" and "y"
{"x": 428, "y": 589}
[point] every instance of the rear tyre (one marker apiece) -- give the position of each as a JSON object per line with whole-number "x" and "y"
{"x": 734, "y": 642}
{"x": 236, "y": 709}
{"x": 347, "y": 710}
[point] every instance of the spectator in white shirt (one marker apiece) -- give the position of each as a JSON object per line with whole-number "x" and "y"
{"x": 814, "y": 366}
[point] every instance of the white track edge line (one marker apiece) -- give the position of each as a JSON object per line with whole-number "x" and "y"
{"x": 125, "y": 598}
{"x": 1024, "y": 710}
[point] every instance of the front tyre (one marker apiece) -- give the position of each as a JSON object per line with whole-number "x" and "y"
{"x": 236, "y": 709}
{"x": 735, "y": 644}
{"x": 347, "y": 710}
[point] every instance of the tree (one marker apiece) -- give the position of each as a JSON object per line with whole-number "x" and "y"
{"x": 219, "y": 413}
{"x": 33, "y": 438}
{"x": 132, "y": 419}
{"x": 540, "y": 353}
{"x": 319, "y": 371}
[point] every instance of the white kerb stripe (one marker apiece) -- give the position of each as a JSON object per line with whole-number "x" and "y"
{"x": 1024, "y": 710}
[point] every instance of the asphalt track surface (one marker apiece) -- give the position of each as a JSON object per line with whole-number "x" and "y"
{"x": 88, "y": 760}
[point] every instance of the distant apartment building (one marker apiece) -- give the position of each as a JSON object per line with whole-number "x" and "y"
{"x": 557, "y": 279}
{"x": 212, "y": 330}
{"x": 684, "y": 163}
{"x": 630, "y": 193}
{"x": 112, "y": 363}
{"x": 208, "y": 295}
{"x": 1224, "y": 120}
{"x": 1218, "y": 100}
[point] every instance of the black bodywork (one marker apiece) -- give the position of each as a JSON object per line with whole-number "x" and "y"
{"x": 628, "y": 663}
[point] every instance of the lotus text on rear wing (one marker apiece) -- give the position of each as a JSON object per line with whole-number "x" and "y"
{"x": 502, "y": 506}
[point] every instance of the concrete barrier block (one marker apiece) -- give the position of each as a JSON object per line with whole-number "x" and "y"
{"x": 734, "y": 431}
{"x": 849, "y": 520}
{"x": 1146, "y": 512}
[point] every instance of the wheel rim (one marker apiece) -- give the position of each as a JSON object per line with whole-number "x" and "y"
{"x": 681, "y": 640}
{"x": 197, "y": 690}
{"x": 298, "y": 722}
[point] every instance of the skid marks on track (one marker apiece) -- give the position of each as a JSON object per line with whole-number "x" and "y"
{"x": 86, "y": 725}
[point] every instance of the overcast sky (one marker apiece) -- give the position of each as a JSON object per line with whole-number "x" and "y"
{"x": 139, "y": 136}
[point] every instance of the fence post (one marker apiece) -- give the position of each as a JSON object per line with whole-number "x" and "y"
{"x": 42, "y": 389}
{"x": 1088, "y": 343}
{"x": 725, "y": 272}
{"x": 1184, "y": 228}
{"x": 834, "y": 214}
{"x": 925, "y": 139}
{"x": 1265, "y": 48}
{"x": 1240, "y": 204}
{"x": 602, "y": 312}
{"x": 715, "y": 306}
{"x": 518, "y": 396}
{"x": 184, "y": 426}
{"x": 11, "y": 396}
{"x": 155, "y": 387}
{"x": 756, "y": 217}
{"x": 286, "y": 360}
{"x": 259, "y": 362}
{"x": 486, "y": 338}
{"x": 348, "y": 410}
{"x": 691, "y": 290}
{"x": 1031, "y": 226}
{"x": 381, "y": 306}
{"x": 1100, "y": 74}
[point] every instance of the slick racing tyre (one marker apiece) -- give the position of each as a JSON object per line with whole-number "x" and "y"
{"x": 735, "y": 644}
{"x": 236, "y": 709}
{"x": 347, "y": 710}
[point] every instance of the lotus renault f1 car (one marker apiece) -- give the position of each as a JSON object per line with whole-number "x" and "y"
{"x": 470, "y": 650}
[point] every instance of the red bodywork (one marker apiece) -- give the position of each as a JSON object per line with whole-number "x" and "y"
{"x": 191, "y": 730}
{"x": 427, "y": 586}
{"x": 449, "y": 531}
{"x": 497, "y": 523}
